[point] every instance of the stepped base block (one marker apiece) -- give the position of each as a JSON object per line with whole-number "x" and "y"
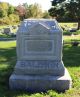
{"x": 34, "y": 83}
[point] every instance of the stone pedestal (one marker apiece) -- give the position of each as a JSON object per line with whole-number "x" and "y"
{"x": 39, "y": 51}
{"x": 35, "y": 83}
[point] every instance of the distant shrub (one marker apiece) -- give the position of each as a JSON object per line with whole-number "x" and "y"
{"x": 77, "y": 32}
{"x": 67, "y": 33}
{"x": 75, "y": 42}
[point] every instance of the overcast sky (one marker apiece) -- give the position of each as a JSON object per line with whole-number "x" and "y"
{"x": 45, "y": 4}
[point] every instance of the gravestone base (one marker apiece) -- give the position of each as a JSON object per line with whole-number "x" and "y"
{"x": 35, "y": 83}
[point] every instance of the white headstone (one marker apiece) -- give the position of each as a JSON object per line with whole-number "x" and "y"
{"x": 39, "y": 64}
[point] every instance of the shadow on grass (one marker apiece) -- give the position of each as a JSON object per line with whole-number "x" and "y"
{"x": 71, "y": 56}
{"x": 8, "y": 39}
{"x": 7, "y": 63}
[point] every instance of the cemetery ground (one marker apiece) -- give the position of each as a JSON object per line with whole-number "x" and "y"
{"x": 71, "y": 59}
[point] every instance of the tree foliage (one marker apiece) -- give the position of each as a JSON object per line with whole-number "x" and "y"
{"x": 73, "y": 9}
{"x": 21, "y": 10}
{"x": 66, "y": 9}
{"x": 2, "y": 13}
{"x": 3, "y": 8}
{"x": 33, "y": 10}
{"x": 4, "y": 5}
{"x": 45, "y": 15}
{"x": 7, "y": 14}
{"x": 56, "y": 12}
{"x": 10, "y": 10}
{"x": 10, "y": 14}
{"x": 56, "y": 2}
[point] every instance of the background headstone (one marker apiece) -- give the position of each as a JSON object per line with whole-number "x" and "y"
{"x": 7, "y": 30}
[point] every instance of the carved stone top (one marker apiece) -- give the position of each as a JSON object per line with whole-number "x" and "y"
{"x": 38, "y": 27}
{"x": 39, "y": 40}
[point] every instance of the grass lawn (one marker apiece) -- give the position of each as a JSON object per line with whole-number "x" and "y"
{"x": 4, "y": 36}
{"x": 69, "y": 25}
{"x": 71, "y": 58}
{"x": 71, "y": 38}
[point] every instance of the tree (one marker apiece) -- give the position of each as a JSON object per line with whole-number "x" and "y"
{"x": 21, "y": 11}
{"x": 4, "y": 5}
{"x": 4, "y": 8}
{"x": 46, "y": 14}
{"x": 26, "y": 6}
{"x": 56, "y": 2}
{"x": 57, "y": 11}
{"x": 7, "y": 14}
{"x": 71, "y": 9}
{"x": 10, "y": 10}
{"x": 2, "y": 13}
{"x": 34, "y": 11}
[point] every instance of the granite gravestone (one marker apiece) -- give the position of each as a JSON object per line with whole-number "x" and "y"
{"x": 7, "y": 30}
{"x": 39, "y": 64}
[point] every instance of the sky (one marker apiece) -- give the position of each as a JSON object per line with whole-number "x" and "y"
{"x": 45, "y": 4}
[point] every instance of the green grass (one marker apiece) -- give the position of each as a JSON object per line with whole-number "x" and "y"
{"x": 69, "y": 25}
{"x": 71, "y": 38}
{"x": 70, "y": 33}
{"x": 4, "y": 36}
{"x": 71, "y": 58}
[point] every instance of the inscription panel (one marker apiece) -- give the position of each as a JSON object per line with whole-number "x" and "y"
{"x": 39, "y": 64}
{"x": 39, "y": 49}
{"x": 38, "y": 46}
{"x": 39, "y": 67}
